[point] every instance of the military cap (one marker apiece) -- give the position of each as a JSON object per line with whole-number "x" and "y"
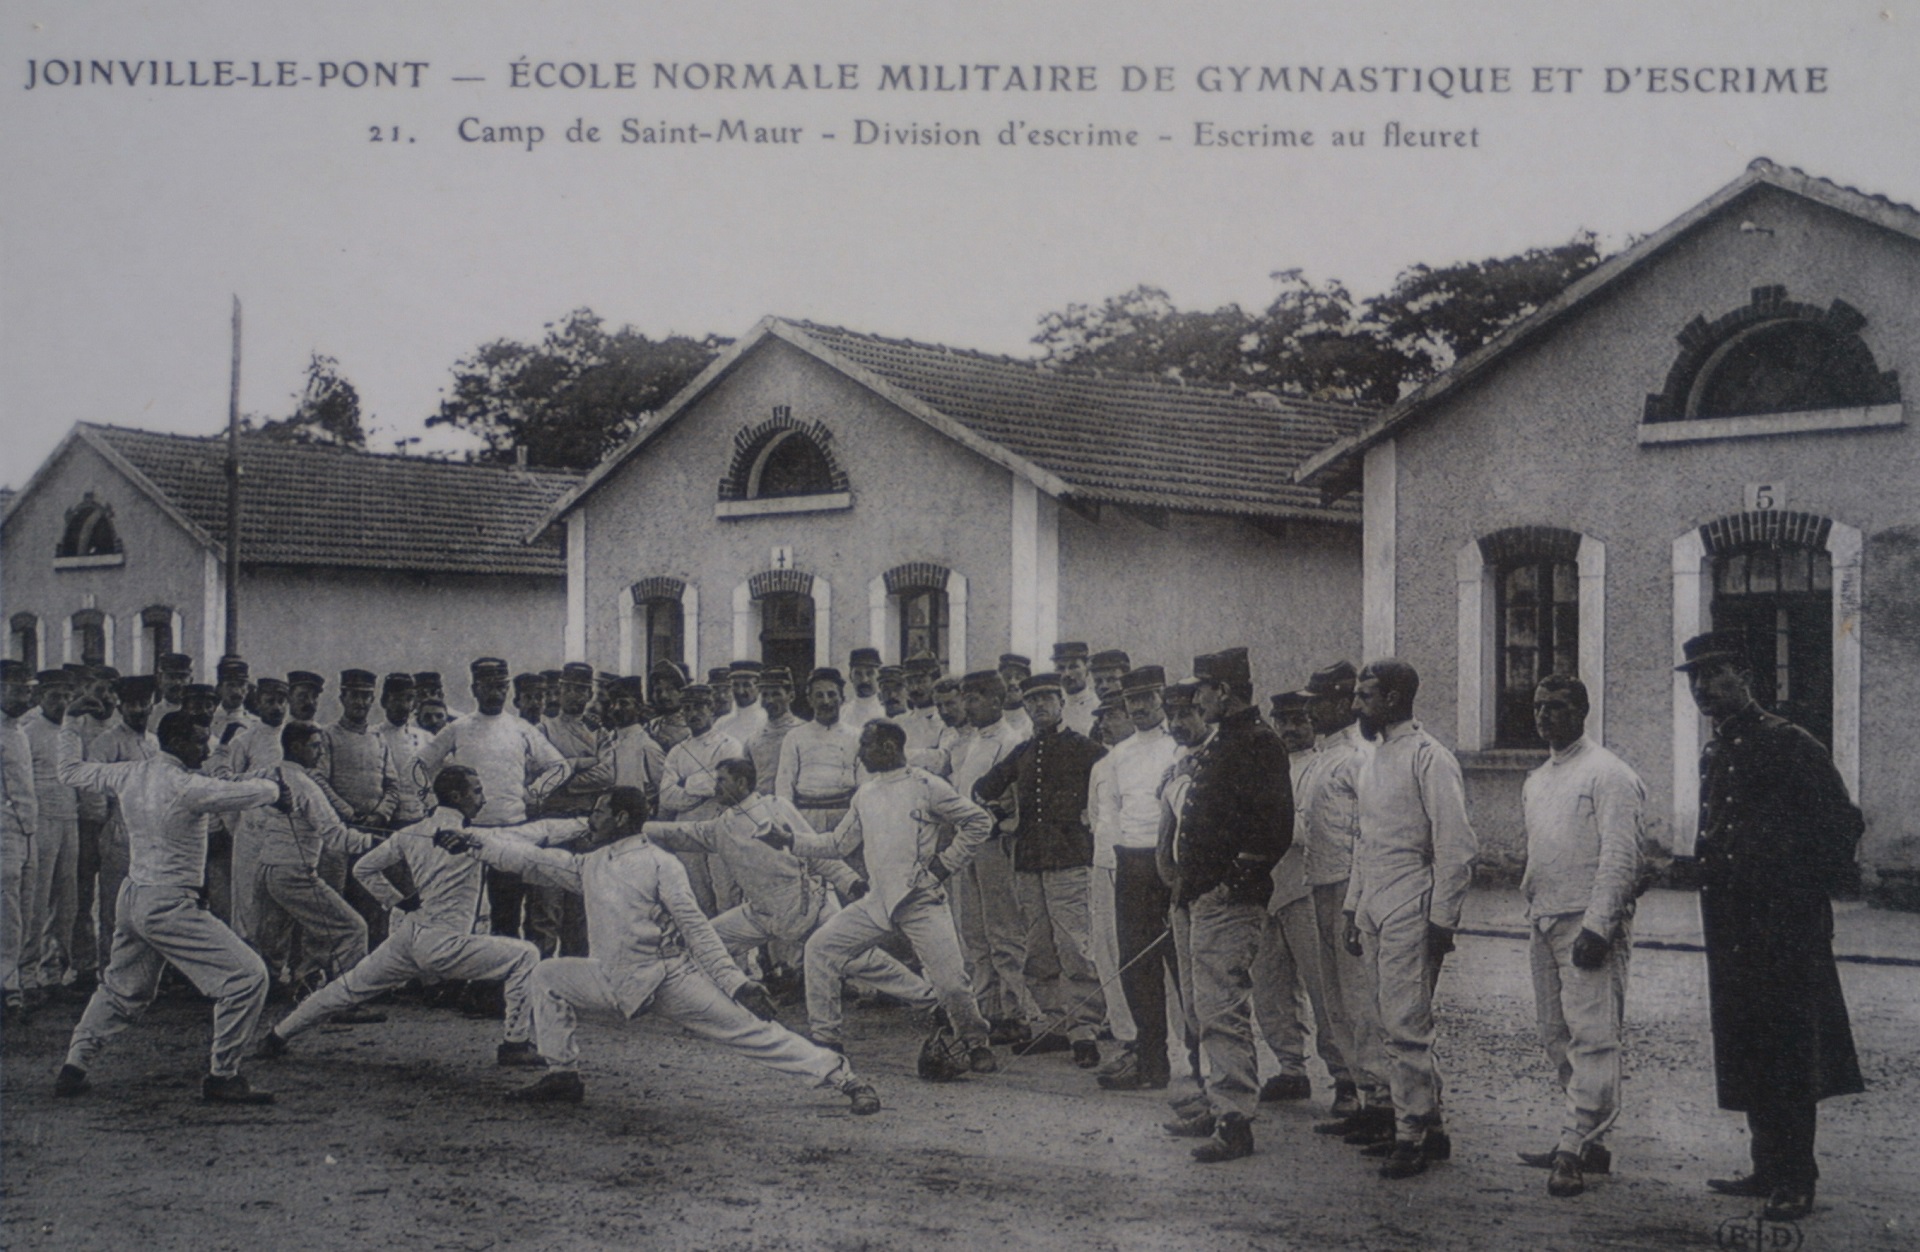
{"x": 827, "y": 674}
{"x": 1112, "y": 658}
{"x": 270, "y": 686}
{"x": 427, "y": 678}
{"x": 1289, "y": 700}
{"x": 1146, "y": 678}
{"x": 1224, "y": 668}
{"x": 232, "y": 667}
{"x": 606, "y": 677}
{"x": 358, "y": 680}
{"x": 892, "y": 673}
{"x": 206, "y": 691}
{"x": 173, "y": 663}
{"x": 552, "y": 676}
{"x": 747, "y": 667}
{"x": 77, "y": 670}
{"x": 982, "y": 680}
{"x": 305, "y": 678}
{"x": 576, "y": 672}
{"x": 433, "y": 700}
{"x": 672, "y": 671}
{"x": 1071, "y": 651}
{"x": 138, "y": 688}
{"x": 1037, "y": 684}
{"x": 1336, "y": 679}
{"x": 107, "y": 672}
{"x": 719, "y": 676}
{"x": 776, "y": 676}
{"x": 53, "y": 678}
{"x": 398, "y": 681}
{"x": 490, "y": 667}
{"x": 921, "y": 663}
{"x": 1114, "y": 702}
{"x": 527, "y": 680}
{"x": 628, "y": 685}
{"x": 13, "y": 671}
{"x": 863, "y": 656}
{"x": 697, "y": 693}
{"x": 1181, "y": 694}
{"x": 1713, "y": 647}
{"x": 1015, "y": 660}
{"x": 946, "y": 686}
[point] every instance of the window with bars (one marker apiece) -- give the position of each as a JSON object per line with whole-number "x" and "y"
{"x": 924, "y": 622}
{"x": 1537, "y": 625}
{"x": 1781, "y": 597}
{"x": 665, "y": 631}
{"x": 90, "y": 636}
{"x": 23, "y": 639}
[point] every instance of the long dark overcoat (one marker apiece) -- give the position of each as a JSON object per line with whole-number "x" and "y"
{"x": 1777, "y": 832}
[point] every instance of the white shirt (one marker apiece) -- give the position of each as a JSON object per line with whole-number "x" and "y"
{"x": 1082, "y": 710}
{"x": 448, "y": 883}
{"x": 687, "y": 789}
{"x": 744, "y": 723}
{"x": 1126, "y": 806}
{"x": 1327, "y": 803}
{"x": 1583, "y": 810}
{"x": 1415, "y": 839}
{"x": 517, "y": 764}
{"x": 898, "y": 817}
{"x": 819, "y": 765}
{"x": 860, "y": 710}
{"x": 165, "y": 806}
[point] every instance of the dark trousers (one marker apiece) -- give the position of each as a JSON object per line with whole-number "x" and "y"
{"x": 1140, "y": 904}
{"x": 1783, "y": 1135}
{"x": 510, "y": 895}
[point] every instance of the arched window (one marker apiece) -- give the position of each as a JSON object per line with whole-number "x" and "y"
{"x": 23, "y": 639}
{"x": 920, "y": 611}
{"x": 1773, "y": 356}
{"x": 89, "y": 530}
{"x": 1773, "y": 582}
{"x": 1535, "y": 577}
{"x": 783, "y": 458}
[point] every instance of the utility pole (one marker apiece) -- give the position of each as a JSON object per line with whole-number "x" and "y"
{"x": 233, "y": 493}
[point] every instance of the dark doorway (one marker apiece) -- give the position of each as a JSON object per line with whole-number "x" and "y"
{"x": 1781, "y": 597}
{"x": 786, "y": 638}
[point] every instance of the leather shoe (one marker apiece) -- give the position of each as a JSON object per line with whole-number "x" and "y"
{"x": 1006, "y": 1032}
{"x": 1195, "y": 1126}
{"x": 271, "y": 1047}
{"x": 215, "y": 1089}
{"x": 71, "y": 1081}
{"x": 519, "y": 1055}
{"x": 1437, "y": 1146}
{"x": 1232, "y": 1139}
{"x": 1346, "y": 1100}
{"x": 981, "y": 1060}
{"x": 1406, "y": 1159}
{"x": 1086, "y": 1054}
{"x": 1594, "y": 1159}
{"x": 1751, "y": 1185}
{"x": 1788, "y": 1204}
{"x": 1132, "y": 1080}
{"x": 561, "y": 1087}
{"x": 1566, "y": 1179}
{"x": 866, "y": 1101}
{"x": 1286, "y": 1087}
{"x": 1049, "y": 1042}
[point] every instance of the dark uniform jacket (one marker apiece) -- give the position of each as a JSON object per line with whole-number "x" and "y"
{"x": 1238, "y": 820}
{"x": 1049, "y": 774}
{"x": 1777, "y": 833}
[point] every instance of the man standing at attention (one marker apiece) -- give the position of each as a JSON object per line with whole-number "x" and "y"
{"x": 863, "y": 674}
{"x": 819, "y": 762}
{"x": 776, "y": 696}
{"x": 1071, "y": 662}
{"x": 1777, "y": 834}
{"x": 748, "y": 716}
{"x": 689, "y": 788}
{"x": 1583, "y": 812}
{"x": 1411, "y": 868}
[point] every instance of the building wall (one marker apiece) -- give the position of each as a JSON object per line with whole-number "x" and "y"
{"x": 1204, "y": 583}
{"x": 1550, "y": 438}
{"x": 327, "y": 620}
{"x": 917, "y": 496}
{"x": 163, "y": 564}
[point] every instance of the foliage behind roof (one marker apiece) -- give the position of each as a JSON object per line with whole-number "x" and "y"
{"x": 1335, "y": 469}
{"x": 316, "y": 505}
{"x": 1105, "y": 437}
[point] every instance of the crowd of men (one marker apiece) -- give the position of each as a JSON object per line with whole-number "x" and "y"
{"x": 1033, "y": 862}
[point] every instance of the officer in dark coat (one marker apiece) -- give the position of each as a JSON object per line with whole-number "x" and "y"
{"x": 1777, "y": 833}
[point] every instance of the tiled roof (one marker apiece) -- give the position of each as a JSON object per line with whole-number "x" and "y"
{"x": 1121, "y": 438}
{"x": 307, "y": 504}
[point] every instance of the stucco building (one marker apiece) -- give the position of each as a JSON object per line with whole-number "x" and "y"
{"x": 817, "y": 490}
{"x": 1707, "y": 431}
{"x": 114, "y": 552}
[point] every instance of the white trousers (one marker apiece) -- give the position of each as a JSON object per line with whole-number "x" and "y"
{"x": 158, "y": 926}
{"x": 924, "y": 919}
{"x": 1106, "y": 952}
{"x": 686, "y": 997}
{"x": 872, "y": 970}
{"x": 1580, "y": 1013}
{"x": 431, "y": 954}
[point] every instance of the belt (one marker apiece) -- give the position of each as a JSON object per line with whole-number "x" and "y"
{"x": 831, "y": 800}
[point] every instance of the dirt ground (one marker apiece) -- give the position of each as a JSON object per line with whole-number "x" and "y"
{"x": 396, "y": 1136}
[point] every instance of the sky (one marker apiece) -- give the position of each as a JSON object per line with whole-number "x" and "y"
{"x": 131, "y": 216}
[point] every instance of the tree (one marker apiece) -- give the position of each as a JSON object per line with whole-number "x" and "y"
{"x": 1318, "y": 341}
{"x": 326, "y": 410}
{"x": 573, "y": 397}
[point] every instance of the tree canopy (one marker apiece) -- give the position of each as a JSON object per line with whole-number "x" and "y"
{"x": 326, "y": 410}
{"x": 574, "y": 396}
{"x": 1318, "y": 340}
